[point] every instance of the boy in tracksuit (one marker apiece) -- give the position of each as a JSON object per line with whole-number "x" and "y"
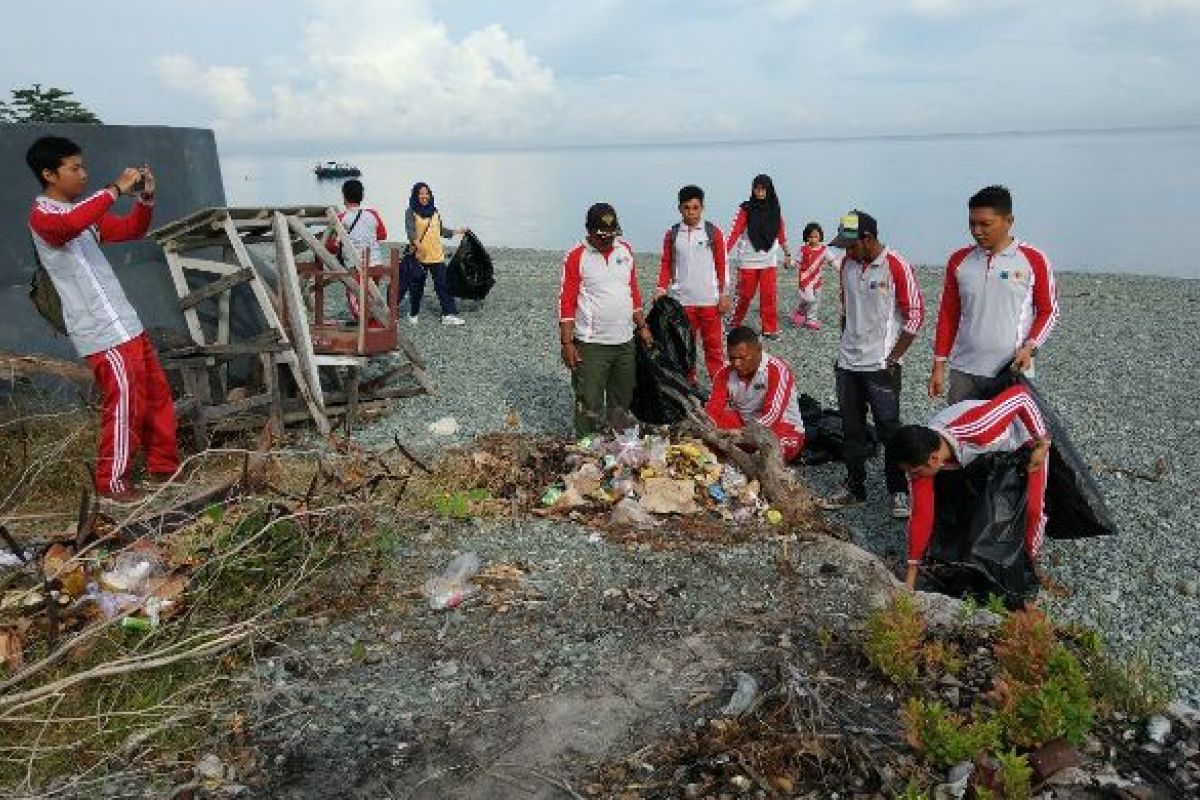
{"x": 999, "y": 304}
{"x": 693, "y": 272}
{"x": 137, "y": 412}
{"x": 757, "y": 386}
{"x": 954, "y": 438}
{"x": 365, "y": 230}
{"x": 882, "y": 311}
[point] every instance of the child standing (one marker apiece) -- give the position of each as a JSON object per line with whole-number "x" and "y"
{"x": 814, "y": 256}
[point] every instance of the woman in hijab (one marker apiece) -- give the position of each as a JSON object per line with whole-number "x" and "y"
{"x": 423, "y": 224}
{"x": 757, "y": 235}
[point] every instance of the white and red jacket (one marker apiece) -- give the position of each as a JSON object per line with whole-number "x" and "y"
{"x": 599, "y": 292}
{"x": 812, "y": 265}
{"x": 692, "y": 269}
{"x": 1007, "y": 422}
{"x": 880, "y": 301}
{"x": 992, "y": 304}
{"x": 67, "y": 237}
{"x": 366, "y": 230}
{"x": 747, "y": 256}
{"x": 769, "y": 397}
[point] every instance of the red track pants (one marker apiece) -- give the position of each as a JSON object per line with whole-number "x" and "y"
{"x": 762, "y": 281}
{"x": 137, "y": 413}
{"x": 706, "y": 321}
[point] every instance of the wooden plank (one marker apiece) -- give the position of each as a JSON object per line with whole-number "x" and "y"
{"x": 378, "y": 304}
{"x": 207, "y": 265}
{"x": 183, "y": 290}
{"x": 285, "y": 263}
{"x": 217, "y": 412}
{"x": 215, "y": 288}
{"x": 270, "y": 374}
{"x": 266, "y": 303}
{"x": 15, "y": 366}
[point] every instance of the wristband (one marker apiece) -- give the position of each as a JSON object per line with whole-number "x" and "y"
{"x": 116, "y": 189}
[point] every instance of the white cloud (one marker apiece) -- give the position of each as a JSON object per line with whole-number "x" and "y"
{"x": 380, "y": 71}
{"x": 227, "y": 89}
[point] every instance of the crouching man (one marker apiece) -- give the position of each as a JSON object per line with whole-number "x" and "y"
{"x": 954, "y": 438}
{"x": 757, "y": 386}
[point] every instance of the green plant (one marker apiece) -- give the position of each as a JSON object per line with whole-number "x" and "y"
{"x": 945, "y": 738}
{"x": 1131, "y": 685}
{"x": 1024, "y": 645}
{"x": 1057, "y": 706}
{"x": 460, "y": 504}
{"x": 824, "y": 638}
{"x": 968, "y": 609}
{"x": 911, "y": 792}
{"x": 1015, "y": 776}
{"x": 893, "y": 644}
{"x": 995, "y": 604}
{"x": 942, "y": 658}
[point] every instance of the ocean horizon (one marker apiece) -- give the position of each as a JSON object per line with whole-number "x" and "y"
{"x": 1089, "y": 198}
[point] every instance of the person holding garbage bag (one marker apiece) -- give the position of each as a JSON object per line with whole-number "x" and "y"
{"x": 954, "y": 438}
{"x": 425, "y": 229}
{"x": 756, "y": 385}
{"x": 600, "y": 308}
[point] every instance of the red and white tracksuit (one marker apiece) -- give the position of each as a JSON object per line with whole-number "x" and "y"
{"x": 365, "y": 230}
{"x": 769, "y": 397}
{"x": 692, "y": 271}
{"x": 880, "y": 300}
{"x": 757, "y": 272}
{"x": 992, "y": 304}
{"x": 137, "y": 412}
{"x": 813, "y": 261}
{"x": 972, "y": 428}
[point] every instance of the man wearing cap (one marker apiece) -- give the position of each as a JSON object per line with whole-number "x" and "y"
{"x": 998, "y": 305}
{"x": 600, "y": 307}
{"x": 882, "y": 311}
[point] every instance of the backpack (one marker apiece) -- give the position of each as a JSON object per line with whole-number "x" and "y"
{"x": 710, "y": 231}
{"x": 45, "y": 299}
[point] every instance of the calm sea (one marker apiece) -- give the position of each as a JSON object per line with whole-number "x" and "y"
{"x": 1108, "y": 201}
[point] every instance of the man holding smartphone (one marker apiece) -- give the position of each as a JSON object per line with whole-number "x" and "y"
{"x": 137, "y": 412}
{"x": 882, "y": 311}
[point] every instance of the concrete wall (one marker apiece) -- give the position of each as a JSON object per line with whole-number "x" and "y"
{"x": 189, "y": 177}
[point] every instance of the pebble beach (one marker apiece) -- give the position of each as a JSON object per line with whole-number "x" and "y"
{"x": 1121, "y": 368}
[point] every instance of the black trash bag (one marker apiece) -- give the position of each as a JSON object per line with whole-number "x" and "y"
{"x": 659, "y": 392}
{"x": 978, "y": 543}
{"x": 824, "y": 440}
{"x": 675, "y": 347}
{"x": 470, "y": 275}
{"x": 1075, "y": 508}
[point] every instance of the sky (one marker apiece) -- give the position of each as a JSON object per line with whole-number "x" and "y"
{"x": 304, "y": 75}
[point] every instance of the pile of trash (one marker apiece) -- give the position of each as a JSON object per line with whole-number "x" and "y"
{"x": 135, "y": 584}
{"x": 640, "y": 479}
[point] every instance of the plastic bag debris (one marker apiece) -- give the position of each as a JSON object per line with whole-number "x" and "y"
{"x": 9, "y": 559}
{"x": 743, "y": 696}
{"x": 453, "y": 586}
{"x": 133, "y": 572}
{"x": 446, "y": 426}
{"x": 670, "y": 496}
{"x": 630, "y": 512}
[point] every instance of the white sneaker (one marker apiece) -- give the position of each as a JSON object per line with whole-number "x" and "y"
{"x": 453, "y": 319}
{"x": 900, "y": 506}
{"x": 413, "y": 320}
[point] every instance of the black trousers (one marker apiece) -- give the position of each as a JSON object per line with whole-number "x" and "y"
{"x": 879, "y": 392}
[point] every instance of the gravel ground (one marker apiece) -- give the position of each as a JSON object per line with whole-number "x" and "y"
{"x": 1124, "y": 387}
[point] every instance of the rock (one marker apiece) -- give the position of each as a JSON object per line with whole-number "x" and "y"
{"x": 1157, "y": 728}
{"x": 446, "y": 426}
{"x": 447, "y": 669}
{"x": 1188, "y": 588}
{"x": 1051, "y": 758}
{"x": 1183, "y": 713}
{"x": 210, "y": 768}
{"x": 960, "y": 772}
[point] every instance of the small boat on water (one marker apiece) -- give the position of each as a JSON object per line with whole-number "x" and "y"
{"x": 336, "y": 169}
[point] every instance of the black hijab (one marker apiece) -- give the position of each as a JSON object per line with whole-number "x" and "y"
{"x": 762, "y": 216}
